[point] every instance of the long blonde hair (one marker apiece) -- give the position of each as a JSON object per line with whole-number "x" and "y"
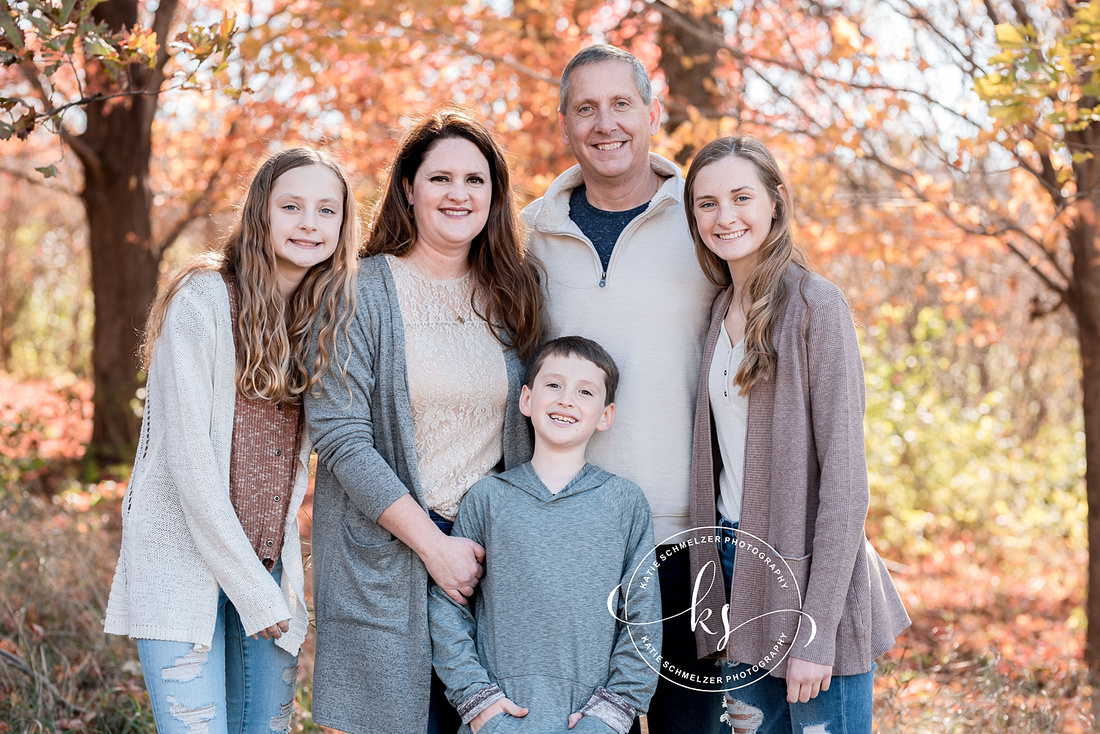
{"x": 273, "y": 334}
{"x": 766, "y": 291}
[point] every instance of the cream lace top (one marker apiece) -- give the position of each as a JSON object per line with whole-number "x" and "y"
{"x": 458, "y": 384}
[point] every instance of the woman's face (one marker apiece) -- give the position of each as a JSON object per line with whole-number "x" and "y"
{"x": 450, "y": 193}
{"x": 734, "y": 212}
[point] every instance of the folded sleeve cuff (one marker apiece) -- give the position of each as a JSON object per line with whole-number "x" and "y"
{"x": 613, "y": 710}
{"x": 480, "y": 701}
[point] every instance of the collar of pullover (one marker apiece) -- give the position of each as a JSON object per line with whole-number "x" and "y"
{"x": 524, "y": 478}
{"x": 553, "y": 215}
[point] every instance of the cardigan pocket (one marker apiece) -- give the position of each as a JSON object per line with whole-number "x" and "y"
{"x": 784, "y": 593}
{"x": 370, "y": 585}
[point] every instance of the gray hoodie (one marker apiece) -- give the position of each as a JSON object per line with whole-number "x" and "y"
{"x": 539, "y": 630}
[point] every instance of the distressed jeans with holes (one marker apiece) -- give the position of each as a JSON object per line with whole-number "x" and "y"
{"x": 761, "y": 707}
{"x": 238, "y": 686}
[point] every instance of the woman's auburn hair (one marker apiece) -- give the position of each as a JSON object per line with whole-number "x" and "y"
{"x": 506, "y": 276}
{"x": 766, "y": 290}
{"x": 272, "y": 333}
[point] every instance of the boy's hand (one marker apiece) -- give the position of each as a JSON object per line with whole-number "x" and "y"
{"x": 503, "y": 706}
{"x": 455, "y": 564}
{"x": 575, "y": 719}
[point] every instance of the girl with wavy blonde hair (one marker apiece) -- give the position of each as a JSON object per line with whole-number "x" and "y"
{"x": 779, "y": 429}
{"x": 209, "y": 578}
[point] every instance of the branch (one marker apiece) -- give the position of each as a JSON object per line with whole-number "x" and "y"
{"x": 717, "y": 39}
{"x": 1039, "y": 310}
{"x": 905, "y": 179}
{"x": 19, "y": 665}
{"x": 162, "y": 24}
{"x": 37, "y": 181}
{"x": 511, "y": 63}
{"x": 991, "y": 10}
{"x": 87, "y": 155}
{"x": 920, "y": 16}
{"x": 1022, "y": 13}
{"x": 1047, "y": 177}
{"x": 203, "y": 204}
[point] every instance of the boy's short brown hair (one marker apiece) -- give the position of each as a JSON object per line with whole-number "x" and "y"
{"x": 577, "y": 346}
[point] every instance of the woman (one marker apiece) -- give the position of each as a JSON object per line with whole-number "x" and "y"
{"x": 209, "y": 578}
{"x": 448, "y": 310}
{"x": 782, "y": 386}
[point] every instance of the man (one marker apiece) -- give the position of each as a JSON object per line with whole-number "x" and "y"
{"x": 621, "y": 270}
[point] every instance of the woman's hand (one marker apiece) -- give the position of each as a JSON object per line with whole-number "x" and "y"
{"x": 805, "y": 680}
{"x": 455, "y": 564}
{"x": 275, "y": 631}
{"x": 503, "y": 706}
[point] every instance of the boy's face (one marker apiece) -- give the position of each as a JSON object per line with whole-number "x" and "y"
{"x": 565, "y": 402}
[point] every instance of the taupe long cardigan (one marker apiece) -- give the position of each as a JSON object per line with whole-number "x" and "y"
{"x": 805, "y": 495}
{"x": 370, "y": 591}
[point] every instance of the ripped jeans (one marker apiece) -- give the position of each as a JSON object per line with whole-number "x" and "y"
{"x": 761, "y": 707}
{"x": 238, "y": 686}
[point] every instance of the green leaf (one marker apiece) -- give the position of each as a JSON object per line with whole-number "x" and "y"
{"x": 66, "y": 10}
{"x": 11, "y": 32}
{"x": 43, "y": 25}
{"x": 97, "y": 46}
{"x": 47, "y": 171}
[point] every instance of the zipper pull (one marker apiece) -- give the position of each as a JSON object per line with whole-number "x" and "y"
{"x": 603, "y": 279}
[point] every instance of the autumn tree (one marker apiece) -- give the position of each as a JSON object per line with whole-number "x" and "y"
{"x": 975, "y": 116}
{"x": 108, "y": 60}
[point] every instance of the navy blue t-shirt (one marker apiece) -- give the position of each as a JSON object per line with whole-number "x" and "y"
{"x": 602, "y": 227}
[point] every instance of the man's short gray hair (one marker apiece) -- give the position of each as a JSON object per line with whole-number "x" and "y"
{"x": 603, "y": 52}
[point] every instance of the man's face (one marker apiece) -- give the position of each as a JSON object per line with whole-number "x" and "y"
{"x": 607, "y": 125}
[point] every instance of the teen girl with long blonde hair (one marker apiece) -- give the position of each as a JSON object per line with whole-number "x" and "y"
{"x": 779, "y": 465}
{"x": 209, "y": 578}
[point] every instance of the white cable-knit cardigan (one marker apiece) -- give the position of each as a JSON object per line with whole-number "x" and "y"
{"x": 181, "y": 539}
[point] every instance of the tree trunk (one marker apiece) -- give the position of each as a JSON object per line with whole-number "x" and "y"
{"x": 115, "y": 150}
{"x": 124, "y": 280}
{"x": 690, "y": 65}
{"x": 1084, "y": 302}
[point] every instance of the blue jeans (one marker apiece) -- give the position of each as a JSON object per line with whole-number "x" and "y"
{"x": 676, "y": 709}
{"x": 761, "y": 706}
{"x": 442, "y": 717}
{"x": 238, "y": 686}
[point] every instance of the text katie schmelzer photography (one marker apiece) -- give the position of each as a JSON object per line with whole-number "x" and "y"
{"x": 750, "y": 548}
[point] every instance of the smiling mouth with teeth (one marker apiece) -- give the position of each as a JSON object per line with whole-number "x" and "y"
{"x": 609, "y": 146}
{"x": 562, "y": 418}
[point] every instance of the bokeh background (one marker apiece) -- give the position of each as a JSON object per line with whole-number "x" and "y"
{"x": 942, "y": 160}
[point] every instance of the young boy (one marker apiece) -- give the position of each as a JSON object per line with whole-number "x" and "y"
{"x": 538, "y": 649}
